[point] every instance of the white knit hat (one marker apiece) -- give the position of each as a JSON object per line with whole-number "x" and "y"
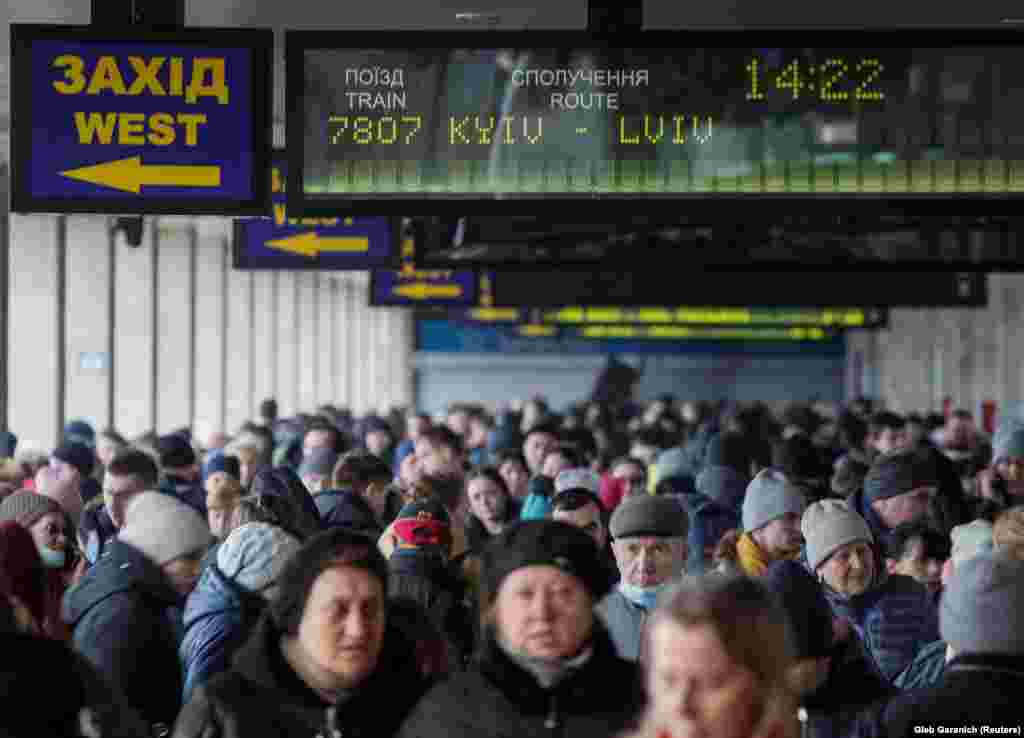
{"x": 254, "y": 555}
{"x": 163, "y": 528}
{"x": 829, "y": 524}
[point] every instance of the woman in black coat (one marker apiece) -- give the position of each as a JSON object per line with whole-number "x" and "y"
{"x": 546, "y": 665}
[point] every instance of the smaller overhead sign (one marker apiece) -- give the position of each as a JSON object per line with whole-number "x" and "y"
{"x": 410, "y": 287}
{"x": 332, "y": 244}
{"x": 140, "y": 122}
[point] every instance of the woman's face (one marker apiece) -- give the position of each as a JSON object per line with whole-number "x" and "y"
{"x": 850, "y": 570}
{"x": 48, "y": 532}
{"x": 1012, "y": 470}
{"x": 486, "y": 500}
{"x": 544, "y": 613}
{"x": 553, "y": 464}
{"x": 694, "y": 688}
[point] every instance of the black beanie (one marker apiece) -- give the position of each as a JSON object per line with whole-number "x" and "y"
{"x": 898, "y": 473}
{"x": 808, "y": 612}
{"x": 544, "y": 543}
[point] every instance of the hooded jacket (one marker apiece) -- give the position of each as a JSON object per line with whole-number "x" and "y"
{"x": 926, "y": 669}
{"x": 219, "y": 615}
{"x": 713, "y": 510}
{"x": 95, "y": 529}
{"x": 893, "y": 617}
{"x": 262, "y": 695}
{"x": 125, "y": 614}
{"x": 497, "y": 698}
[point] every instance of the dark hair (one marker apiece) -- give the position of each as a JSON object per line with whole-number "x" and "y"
{"x": 546, "y": 426}
{"x": 131, "y": 462}
{"x": 935, "y": 544}
{"x": 442, "y": 435}
{"x": 489, "y": 473}
{"x": 621, "y": 460}
{"x": 510, "y": 454}
{"x": 268, "y": 409}
{"x": 853, "y": 431}
{"x": 962, "y": 414}
{"x": 797, "y": 457}
{"x": 332, "y": 548}
{"x": 574, "y": 499}
{"x": 886, "y": 419}
{"x": 322, "y": 424}
{"x": 360, "y": 467}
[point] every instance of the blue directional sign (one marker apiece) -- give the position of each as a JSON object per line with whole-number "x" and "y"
{"x": 337, "y": 244}
{"x": 412, "y": 288}
{"x": 140, "y": 122}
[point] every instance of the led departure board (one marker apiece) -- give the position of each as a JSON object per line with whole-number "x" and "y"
{"x": 511, "y": 120}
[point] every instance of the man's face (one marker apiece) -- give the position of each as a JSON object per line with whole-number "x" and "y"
{"x": 926, "y": 571}
{"x": 634, "y": 475}
{"x": 781, "y": 538}
{"x": 320, "y": 438}
{"x": 477, "y": 435}
{"x": 517, "y": 479}
{"x": 888, "y": 440}
{"x": 415, "y": 427}
{"x": 554, "y": 464}
{"x": 536, "y": 448}
{"x": 378, "y": 442}
{"x": 906, "y": 508}
{"x": 587, "y": 519}
{"x": 118, "y": 491}
{"x": 648, "y": 561}
{"x": 959, "y": 433}
{"x": 438, "y": 461}
{"x": 458, "y": 422}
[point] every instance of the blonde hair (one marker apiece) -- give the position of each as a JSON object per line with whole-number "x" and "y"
{"x": 1008, "y": 532}
{"x": 222, "y": 491}
{"x": 753, "y": 631}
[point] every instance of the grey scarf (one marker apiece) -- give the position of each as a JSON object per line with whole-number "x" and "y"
{"x": 548, "y": 672}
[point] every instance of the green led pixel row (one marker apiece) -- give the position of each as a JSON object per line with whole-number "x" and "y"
{"x": 678, "y": 177}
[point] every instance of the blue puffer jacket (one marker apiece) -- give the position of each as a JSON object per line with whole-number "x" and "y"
{"x": 893, "y": 618}
{"x": 219, "y": 615}
{"x": 926, "y": 669}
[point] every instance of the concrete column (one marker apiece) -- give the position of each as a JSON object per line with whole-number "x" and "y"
{"x": 135, "y": 282}
{"x": 362, "y": 356}
{"x": 239, "y": 349}
{"x": 264, "y": 335}
{"x": 33, "y": 348}
{"x": 407, "y": 345}
{"x": 287, "y": 345}
{"x": 306, "y": 327}
{"x": 389, "y": 359}
{"x": 325, "y": 292}
{"x": 174, "y": 324}
{"x": 210, "y": 338}
{"x": 88, "y": 386}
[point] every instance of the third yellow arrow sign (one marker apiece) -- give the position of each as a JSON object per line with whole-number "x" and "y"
{"x": 312, "y": 243}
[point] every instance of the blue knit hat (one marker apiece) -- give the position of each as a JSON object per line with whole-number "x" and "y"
{"x": 8, "y": 444}
{"x": 983, "y": 605}
{"x": 218, "y": 461}
{"x": 79, "y": 431}
{"x": 769, "y": 496}
{"x": 78, "y": 455}
{"x": 899, "y": 472}
{"x": 723, "y": 485}
{"x": 1008, "y": 444}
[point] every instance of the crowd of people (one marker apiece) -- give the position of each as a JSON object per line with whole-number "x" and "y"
{"x": 672, "y": 569}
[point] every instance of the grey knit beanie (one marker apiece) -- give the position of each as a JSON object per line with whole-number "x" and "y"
{"x": 27, "y": 507}
{"x": 983, "y": 605}
{"x": 769, "y": 496}
{"x": 829, "y": 524}
{"x": 649, "y": 515}
{"x": 163, "y": 528}
{"x": 1009, "y": 443}
{"x": 254, "y": 555}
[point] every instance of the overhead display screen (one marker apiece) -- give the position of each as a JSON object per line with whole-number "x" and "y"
{"x": 513, "y": 120}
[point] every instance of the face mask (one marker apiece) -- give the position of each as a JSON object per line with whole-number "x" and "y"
{"x": 645, "y": 597}
{"x": 52, "y": 558}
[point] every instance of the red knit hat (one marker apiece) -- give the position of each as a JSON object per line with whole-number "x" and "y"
{"x": 21, "y": 569}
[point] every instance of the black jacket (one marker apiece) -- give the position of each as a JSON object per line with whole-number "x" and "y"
{"x": 430, "y": 582}
{"x": 47, "y": 689}
{"x": 976, "y": 690}
{"x": 496, "y": 698}
{"x": 126, "y": 615}
{"x": 261, "y": 695}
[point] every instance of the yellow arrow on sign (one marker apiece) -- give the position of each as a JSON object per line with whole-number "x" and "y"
{"x": 424, "y": 291}
{"x": 312, "y": 243}
{"x": 130, "y": 175}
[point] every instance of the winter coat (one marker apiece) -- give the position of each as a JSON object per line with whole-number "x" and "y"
{"x": 191, "y": 493}
{"x": 505, "y": 434}
{"x": 713, "y": 509}
{"x": 976, "y": 690}
{"x": 219, "y": 615}
{"x": 496, "y": 698}
{"x": 476, "y": 532}
{"x": 893, "y": 617}
{"x": 125, "y": 619}
{"x": 429, "y": 581}
{"x": 625, "y": 621}
{"x": 926, "y": 669}
{"x": 849, "y": 472}
{"x": 95, "y": 528}
{"x": 342, "y": 508}
{"x": 48, "y": 690}
{"x": 853, "y": 683}
{"x": 262, "y": 695}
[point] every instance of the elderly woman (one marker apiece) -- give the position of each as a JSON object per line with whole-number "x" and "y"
{"x": 326, "y": 660}
{"x": 545, "y": 663}
{"x": 716, "y": 665}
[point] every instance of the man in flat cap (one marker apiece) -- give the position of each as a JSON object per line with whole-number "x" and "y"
{"x": 649, "y": 543}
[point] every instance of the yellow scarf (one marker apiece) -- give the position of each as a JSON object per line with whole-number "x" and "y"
{"x": 751, "y": 558}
